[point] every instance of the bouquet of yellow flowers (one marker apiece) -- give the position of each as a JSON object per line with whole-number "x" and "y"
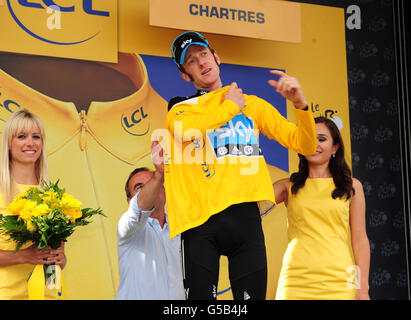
{"x": 44, "y": 215}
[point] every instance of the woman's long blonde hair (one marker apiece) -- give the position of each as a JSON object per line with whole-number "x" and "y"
{"x": 19, "y": 121}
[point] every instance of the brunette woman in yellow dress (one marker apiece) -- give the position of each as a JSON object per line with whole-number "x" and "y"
{"x": 328, "y": 253}
{"x": 23, "y": 164}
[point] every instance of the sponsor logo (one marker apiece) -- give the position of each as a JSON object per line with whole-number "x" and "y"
{"x": 235, "y": 138}
{"x": 185, "y": 43}
{"x": 19, "y": 11}
{"x": 8, "y": 104}
{"x": 208, "y": 169}
{"x": 328, "y": 113}
{"x": 137, "y": 123}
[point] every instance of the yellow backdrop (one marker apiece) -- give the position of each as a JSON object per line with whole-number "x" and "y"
{"x": 91, "y": 154}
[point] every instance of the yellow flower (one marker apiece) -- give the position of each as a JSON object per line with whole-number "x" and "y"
{"x": 22, "y": 208}
{"x": 70, "y": 207}
{"x": 51, "y": 199}
{"x": 15, "y": 207}
{"x": 74, "y": 213}
{"x": 26, "y": 210}
{"x": 41, "y": 210}
{"x": 68, "y": 201}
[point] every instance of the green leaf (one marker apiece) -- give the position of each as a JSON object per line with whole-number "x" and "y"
{"x": 34, "y": 195}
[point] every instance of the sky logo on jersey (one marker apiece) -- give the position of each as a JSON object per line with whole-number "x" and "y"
{"x": 49, "y": 27}
{"x": 235, "y": 138}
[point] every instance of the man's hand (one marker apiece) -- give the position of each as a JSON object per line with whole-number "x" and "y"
{"x": 235, "y": 94}
{"x": 289, "y": 88}
{"x": 157, "y": 155}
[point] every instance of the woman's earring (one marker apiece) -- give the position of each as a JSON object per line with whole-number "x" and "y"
{"x": 334, "y": 155}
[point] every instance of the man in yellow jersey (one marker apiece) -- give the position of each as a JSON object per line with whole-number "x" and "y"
{"x": 215, "y": 172}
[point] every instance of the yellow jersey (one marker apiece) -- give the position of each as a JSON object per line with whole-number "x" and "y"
{"x": 213, "y": 159}
{"x": 14, "y": 279}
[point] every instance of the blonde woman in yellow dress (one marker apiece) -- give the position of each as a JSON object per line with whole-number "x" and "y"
{"x": 23, "y": 164}
{"x": 328, "y": 253}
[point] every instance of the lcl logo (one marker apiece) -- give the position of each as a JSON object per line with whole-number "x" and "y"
{"x": 87, "y": 7}
{"x": 136, "y": 123}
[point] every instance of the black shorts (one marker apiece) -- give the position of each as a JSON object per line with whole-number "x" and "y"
{"x": 236, "y": 233}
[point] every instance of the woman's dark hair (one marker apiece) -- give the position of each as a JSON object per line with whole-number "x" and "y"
{"x": 340, "y": 171}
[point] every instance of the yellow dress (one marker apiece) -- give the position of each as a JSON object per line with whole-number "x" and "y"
{"x": 14, "y": 278}
{"x": 319, "y": 261}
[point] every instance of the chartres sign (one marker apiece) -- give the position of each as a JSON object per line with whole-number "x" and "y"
{"x": 261, "y": 19}
{"x": 80, "y": 29}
